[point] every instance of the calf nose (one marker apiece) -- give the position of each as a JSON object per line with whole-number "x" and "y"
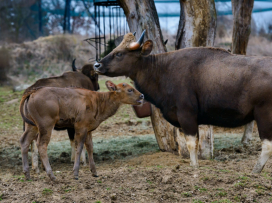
{"x": 142, "y": 96}
{"x": 97, "y": 65}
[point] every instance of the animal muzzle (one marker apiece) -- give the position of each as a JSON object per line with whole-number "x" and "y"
{"x": 98, "y": 68}
{"x": 141, "y": 99}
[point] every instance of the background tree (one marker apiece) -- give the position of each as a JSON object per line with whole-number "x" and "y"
{"x": 242, "y": 10}
{"x": 142, "y": 15}
{"x": 197, "y": 27}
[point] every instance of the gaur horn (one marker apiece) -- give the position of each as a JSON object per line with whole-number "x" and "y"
{"x": 165, "y": 42}
{"x": 73, "y": 65}
{"x": 136, "y": 45}
{"x": 134, "y": 33}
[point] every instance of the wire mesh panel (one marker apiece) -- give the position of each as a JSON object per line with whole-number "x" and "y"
{"x": 110, "y": 23}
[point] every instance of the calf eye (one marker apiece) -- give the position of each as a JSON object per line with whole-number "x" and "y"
{"x": 130, "y": 90}
{"x": 119, "y": 54}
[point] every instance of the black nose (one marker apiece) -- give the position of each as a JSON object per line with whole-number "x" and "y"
{"x": 141, "y": 96}
{"x": 97, "y": 65}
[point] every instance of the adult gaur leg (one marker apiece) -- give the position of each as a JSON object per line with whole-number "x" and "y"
{"x": 80, "y": 136}
{"x": 89, "y": 147}
{"x": 28, "y": 136}
{"x": 263, "y": 117}
{"x": 188, "y": 123}
{"x": 44, "y": 136}
{"x": 35, "y": 157}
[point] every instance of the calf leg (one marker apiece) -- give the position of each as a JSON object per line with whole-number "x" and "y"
{"x": 71, "y": 133}
{"x": 28, "y": 136}
{"x": 72, "y": 142}
{"x": 83, "y": 156}
{"x": 80, "y": 137}
{"x": 265, "y": 155}
{"x": 89, "y": 147}
{"x": 35, "y": 157}
{"x": 43, "y": 141}
{"x": 247, "y": 136}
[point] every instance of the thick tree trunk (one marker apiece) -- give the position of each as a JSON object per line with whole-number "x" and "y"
{"x": 242, "y": 10}
{"x": 197, "y": 27}
{"x": 142, "y": 15}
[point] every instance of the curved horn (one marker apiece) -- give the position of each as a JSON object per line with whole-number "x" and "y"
{"x": 136, "y": 45}
{"x": 73, "y": 65}
{"x": 165, "y": 42}
{"x": 134, "y": 33}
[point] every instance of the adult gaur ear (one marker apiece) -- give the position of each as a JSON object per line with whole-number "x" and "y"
{"x": 111, "y": 86}
{"x": 147, "y": 48}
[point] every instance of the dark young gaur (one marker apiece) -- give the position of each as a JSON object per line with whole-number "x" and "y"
{"x": 81, "y": 109}
{"x": 194, "y": 86}
{"x": 85, "y": 78}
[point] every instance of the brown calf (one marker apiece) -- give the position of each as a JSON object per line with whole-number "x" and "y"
{"x": 81, "y": 109}
{"x": 87, "y": 79}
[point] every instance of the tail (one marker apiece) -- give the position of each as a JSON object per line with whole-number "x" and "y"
{"x": 25, "y": 98}
{"x": 73, "y": 65}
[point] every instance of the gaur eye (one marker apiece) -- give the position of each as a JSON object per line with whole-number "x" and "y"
{"x": 130, "y": 90}
{"x": 119, "y": 54}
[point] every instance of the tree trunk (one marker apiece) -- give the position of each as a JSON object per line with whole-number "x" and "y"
{"x": 142, "y": 15}
{"x": 197, "y": 26}
{"x": 242, "y": 10}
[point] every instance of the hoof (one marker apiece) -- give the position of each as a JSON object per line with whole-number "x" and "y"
{"x": 52, "y": 177}
{"x": 27, "y": 175}
{"x": 94, "y": 175}
{"x": 76, "y": 177}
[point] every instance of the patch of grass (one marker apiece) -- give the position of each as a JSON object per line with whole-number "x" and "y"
{"x": 159, "y": 166}
{"x": 47, "y": 191}
{"x": 200, "y": 189}
{"x": 266, "y": 175}
{"x": 186, "y": 194}
{"x": 244, "y": 178}
{"x": 197, "y": 201}
{"x": 224, "y": 170}
{"x": 222, "y": 201}
{"x": 205, "y": 178}
{"x": 108, "y": 188}
{"x": 260, "y": 191}
{"x": 68, "y": 190}
{"x": 237, "y": 198}
{"x": 259, "y": 187}
{"x": 239, "y": 184}
{"x": 97, "y": 201}
{"x": 1, "y": 197}
{"x": 222, "y": 194}
{"x": 142, "y": 144}
{"x": 99, "y": 181}
{"x": 149, "y": 182}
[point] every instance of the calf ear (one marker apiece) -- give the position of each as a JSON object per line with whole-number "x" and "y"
{"x": 147, "y": 48}
{"x": 111, "y": 86}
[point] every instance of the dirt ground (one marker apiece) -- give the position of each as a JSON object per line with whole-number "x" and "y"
{"x": 130, "y": 166}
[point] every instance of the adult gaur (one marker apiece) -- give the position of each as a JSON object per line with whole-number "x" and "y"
{"x": 202, "y": 85}
{"x": 85, "y": 78}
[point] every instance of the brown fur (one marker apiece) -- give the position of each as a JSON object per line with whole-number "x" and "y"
{"x": 76, "y": 108}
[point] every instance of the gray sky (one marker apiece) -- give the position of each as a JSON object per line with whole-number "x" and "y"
{"x": 171, "y": 23}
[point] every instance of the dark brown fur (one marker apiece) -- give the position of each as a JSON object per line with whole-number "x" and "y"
{"x": 194, "y": 86}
